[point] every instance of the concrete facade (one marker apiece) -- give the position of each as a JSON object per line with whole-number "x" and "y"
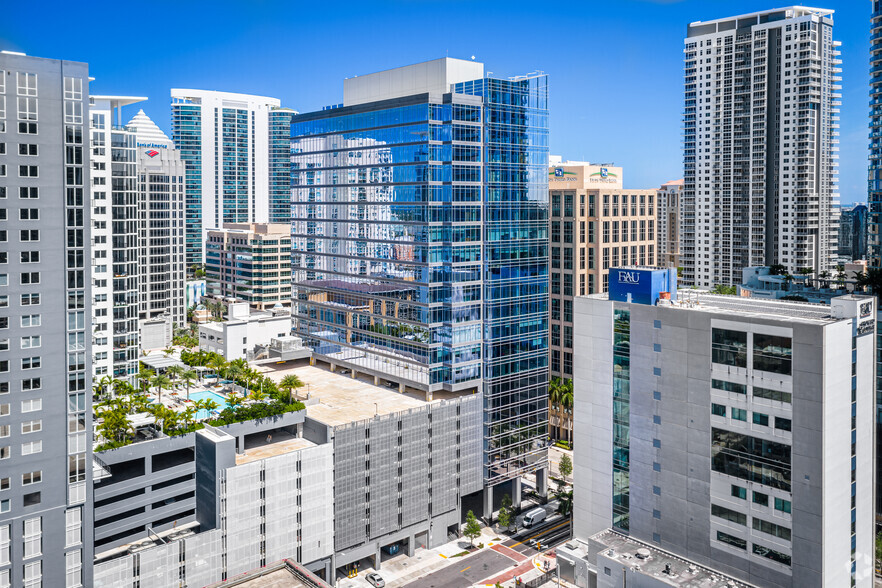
{"x": 244, "y": 331}
{"x": 45, "y": 334}
{"x": 781, "y": 518}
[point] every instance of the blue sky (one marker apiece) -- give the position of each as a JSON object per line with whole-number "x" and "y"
{"x": 614, "y": 66}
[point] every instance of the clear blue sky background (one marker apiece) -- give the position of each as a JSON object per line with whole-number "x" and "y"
{"x": 615, "y": 66}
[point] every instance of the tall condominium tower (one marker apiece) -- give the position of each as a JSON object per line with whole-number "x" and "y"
{"x": 874, "y": 241}
{"x": 114, "y": 199}
{"x": 160, "y": 224}
{"x": 419, "y": 242}
{"x": 734, "y": 432}
{"x": 45, "y": 331}
{"x": 761, "y": 112}
{"x": 235, "y": 169}
{"x": 670, "y": 223}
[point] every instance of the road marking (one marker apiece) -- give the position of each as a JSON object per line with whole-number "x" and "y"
{"x": 468, "y": 568}
{"x": 542, "y": 532}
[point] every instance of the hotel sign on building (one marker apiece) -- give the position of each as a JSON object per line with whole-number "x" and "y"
{"x": 584, "y": 176}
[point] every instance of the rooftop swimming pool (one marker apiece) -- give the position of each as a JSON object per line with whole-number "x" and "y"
{"x": 220, "y": 400}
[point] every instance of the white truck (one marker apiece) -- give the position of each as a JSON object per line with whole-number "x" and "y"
{"x": 533, "y": 517}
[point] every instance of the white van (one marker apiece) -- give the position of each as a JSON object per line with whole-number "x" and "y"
{"x": 533, "y": 517}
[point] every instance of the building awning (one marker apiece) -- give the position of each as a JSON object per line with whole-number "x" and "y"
{"x": 160, "y": 361}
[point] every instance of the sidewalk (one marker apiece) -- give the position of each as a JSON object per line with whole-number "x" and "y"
{"x": 400, "y": 570}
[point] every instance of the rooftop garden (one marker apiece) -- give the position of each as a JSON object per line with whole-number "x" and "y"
{"x": 114, "y": 401}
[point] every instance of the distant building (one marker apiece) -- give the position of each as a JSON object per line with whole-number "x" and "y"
{"x": 596, "y": 224}
{"x": 160, "y": 226}
{"x": 734, "y": 433}
{"x": 670, "y": 222}
{"x": 236, "y": 165}
{"x": 249, "y": 263}
{"x": 244, "y": 331}
{"x": 853, "y": 232}
{"x": 760, "y": 143}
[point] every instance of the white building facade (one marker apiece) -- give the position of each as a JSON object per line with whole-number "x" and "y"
{"x": 734, "y": 433}
{"x": 225, "y": 140}
{"x": 761, "y": 112}
{"x": 160, "y": 227}
{"x": 244, "y": 329}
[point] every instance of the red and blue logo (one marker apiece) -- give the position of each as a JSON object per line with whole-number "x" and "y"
{"x": 152, "y": 153}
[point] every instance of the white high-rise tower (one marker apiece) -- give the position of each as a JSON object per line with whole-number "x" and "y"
{"x": 760, "y": 120}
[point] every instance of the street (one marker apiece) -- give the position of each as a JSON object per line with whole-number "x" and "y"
{"x": 466, "y": 571}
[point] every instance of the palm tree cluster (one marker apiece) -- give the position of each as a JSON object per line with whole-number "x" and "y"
{"x": 560, "y": 400}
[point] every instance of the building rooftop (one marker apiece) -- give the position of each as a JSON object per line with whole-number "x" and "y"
{"x": 654, "y": 562}
{"x": 701, "y": 300}
{"x": 338, "y": 399}
{"x": 280, "y": 443}
{"x": 796, "y": 12}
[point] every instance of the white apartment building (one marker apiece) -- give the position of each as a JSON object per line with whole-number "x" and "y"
{"x": 160, "y": 225}
{"x": 731, "y": 432}
{"x": 760, "y": 127}
{"x": 235, "y": 171}
{"x": 114, "y": 203}
{"x": 244, "y": 330}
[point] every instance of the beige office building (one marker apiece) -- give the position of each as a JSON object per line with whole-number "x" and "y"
{"x": 670, "y": 218}
{"x": 596, "y": 224}
{"x": 249, "y": 262}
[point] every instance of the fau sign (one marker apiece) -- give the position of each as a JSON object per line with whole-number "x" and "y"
{"x": 629, "y": 277}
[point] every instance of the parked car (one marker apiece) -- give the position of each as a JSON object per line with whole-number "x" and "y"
{"x": 375, "y": 579}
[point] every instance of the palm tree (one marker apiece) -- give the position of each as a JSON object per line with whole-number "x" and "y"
{"x": 289, "y": 383}
{"x": 840, "y": 275}
{"x": 824, "y": 276}
{"x": 188, "y": 377}
{"x": 174, "y": 371}
{"x": 234, "y": 401}
{"x": 554, "y": 393}
{"x": 566, "y": 401}
{"x": 217, "y": 364}
{"x": 160, "y": 381}
{"x": 145, "y": 376}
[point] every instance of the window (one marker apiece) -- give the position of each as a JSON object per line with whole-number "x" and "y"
{"x": 74, "y": 524}
{"x": 4, "y": 547}
{"x": 760, "y": 419}
{"x": 31, "y": 447}
{"x": 771, "y": 554}
{"x": 30, "y": 235}
{"x": 739, "y": 492}
{"x": 31, "y": 478}
{"x": 26, "y": 83}
{"x": 34, "y": 426}
{"x": 772, "y": 353}
{"x": 782, "y": 505}
{"x": 30, "y": 342}
{"x": 718, "y": 410}
{"x": 751, "y": 458}
{"x": 28, "y": 278}
{"x": 29, "y": 214}
{"x": 32, "y": 299}
{"x": 739, "y": 414}
{"x": 30, "y": 363}
{"x": 29, "y": 192}
{"x": 30, "y": 320}
{"x": 31, "y": 384}
{"x": 28, "y": 171}
{"x": 771, "y": 529}
{"x": 5, "y": 431}
{"x": 30, "y": 256}
{"x": 728, "y": 514}
{"x": 729, "y": 386}
{"x": 33, "y": 573}
{"x": 32, "y": 405}
{"x": 27, "y": 108}
{"x": 73, "y": 564}
{"x": 27, "y": 149}
{"x": 729, "y": 347}
{"x": 760, "y": 498}
{"x": 731, "y": 540}
{"x": 772, "y": 394}
{"x": 73, "y": 88}
{"x": 782, "y": 424}
{"x": 4, "y": 505}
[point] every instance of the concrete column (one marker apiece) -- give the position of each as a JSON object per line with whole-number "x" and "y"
{"x": 377, "y": 558}
{"x": 488, "y": 503}
{"x": 353, "y": 374}
{"x": 401, "y": 388}
{"x": 516, "y": 493}
{"x": 376, "y": 380}
{"x": 241, "y": 443}
{"x": 311, "y": 360}
{"x": 428, "y": 396}
{"x": 542, "y": 482}
{"x": 411, "y": 545}
{"x": 333, "y": 368}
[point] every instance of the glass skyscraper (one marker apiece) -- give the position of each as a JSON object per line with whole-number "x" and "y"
{"x": 236, "y": 172}
{"x": 420, "y": 245}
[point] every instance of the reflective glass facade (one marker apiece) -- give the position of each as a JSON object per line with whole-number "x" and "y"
{"x": 874, "y": 255}
{"x": 621, "y": 418}
{"x": 280, "y": 165}
{"x": 420, "y": 249}
{"x": 187, "y": 136}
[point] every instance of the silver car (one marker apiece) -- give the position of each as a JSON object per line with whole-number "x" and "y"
{"x": 374, "y": 579}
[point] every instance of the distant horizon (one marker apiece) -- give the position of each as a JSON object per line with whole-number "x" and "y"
{"x": 615, "y": 76}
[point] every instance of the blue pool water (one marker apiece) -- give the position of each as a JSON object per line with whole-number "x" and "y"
{"x": 208, "y": 395}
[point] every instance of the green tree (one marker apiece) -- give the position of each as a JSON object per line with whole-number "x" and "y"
{"x": 566, "y": 403}
{"x": 174, "y": 372}
{"x": 723, "y": 289}
{"x": 564, "y": 501}
{"x": 472, "y": 529}
{"x": 145, "y": 376}
{"x": 289, "y": 383}
{"x": 565, "y": 467}
{"x": 878, "y": 548}
{"x": 160, "y": 381}
{"x": 188, "y": 377}
{"x": 504, "y": 516}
